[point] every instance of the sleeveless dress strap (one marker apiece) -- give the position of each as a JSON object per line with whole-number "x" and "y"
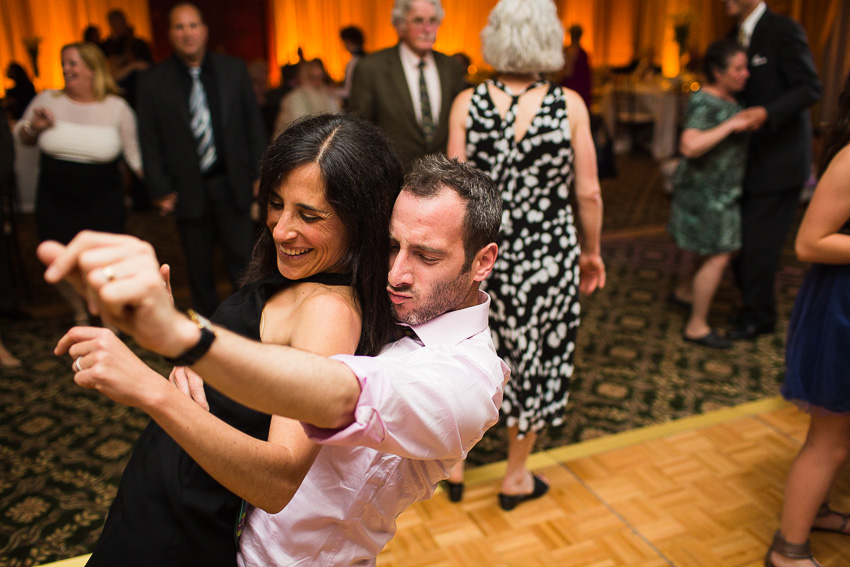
{"x": 269, "y": 286}
{"x": 328, "y": 278}
{"x": 515, "y": 97}
{"x": 511, "y": 114}
{"x": 500, "y": 170}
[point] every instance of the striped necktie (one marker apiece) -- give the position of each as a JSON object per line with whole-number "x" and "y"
{"x": 201, "y": 123}
{"x": 425, "y": 102}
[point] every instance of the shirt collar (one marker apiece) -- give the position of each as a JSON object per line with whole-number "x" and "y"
{"x": 749, "y": 23}
{"x": 455, "y": 326}
{"x": 205, "y": 65}
{"x": 410, "y": 59}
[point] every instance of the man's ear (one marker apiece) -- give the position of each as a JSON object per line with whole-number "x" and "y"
{"x": 483, "y": 262}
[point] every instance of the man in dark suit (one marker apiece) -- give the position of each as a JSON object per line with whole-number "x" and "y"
{"x": 408, "y": 89}
{"x": 202, "y": 139}
{"x": 783, "y": 84}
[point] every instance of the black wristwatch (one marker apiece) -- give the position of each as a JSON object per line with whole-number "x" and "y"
{"x": 195, "y": 353}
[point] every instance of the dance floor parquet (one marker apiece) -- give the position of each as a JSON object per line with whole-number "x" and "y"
{"x": 701, "y": 491}
{"x": 688, "y": 494}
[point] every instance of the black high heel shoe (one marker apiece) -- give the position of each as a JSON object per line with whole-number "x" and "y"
{"x": 455, "y": 490}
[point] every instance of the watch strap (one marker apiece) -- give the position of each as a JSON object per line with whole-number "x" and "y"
{"x": 194, "y": 353}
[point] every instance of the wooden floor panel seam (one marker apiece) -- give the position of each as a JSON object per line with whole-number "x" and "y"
{"x": 634, "y": 529}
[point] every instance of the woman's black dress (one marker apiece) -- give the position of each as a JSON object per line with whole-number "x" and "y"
{"x": 168, "y": 510}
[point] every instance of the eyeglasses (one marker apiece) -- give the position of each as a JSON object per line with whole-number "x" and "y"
{"x": 423, "y": 23}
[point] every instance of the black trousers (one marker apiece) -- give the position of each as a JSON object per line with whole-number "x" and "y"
{"x": 231, "y": 228}
{"x": 7, "y": 286}
{"x": 766, "y": 220}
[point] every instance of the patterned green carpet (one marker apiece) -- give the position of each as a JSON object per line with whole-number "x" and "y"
{"x": 62, "y": 449}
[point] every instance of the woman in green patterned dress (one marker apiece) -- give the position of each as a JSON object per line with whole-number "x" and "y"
{"x": 705, "y": 216}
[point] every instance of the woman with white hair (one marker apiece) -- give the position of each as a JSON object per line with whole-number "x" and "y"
{"x": 533, "y": 138}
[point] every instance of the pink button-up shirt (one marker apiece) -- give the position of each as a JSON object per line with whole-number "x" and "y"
{"x": 423, "y": 405}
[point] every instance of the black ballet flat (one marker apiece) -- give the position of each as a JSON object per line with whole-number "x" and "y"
{"x": 711, "y": 340}
{"x": 674, "y": 300}
{"x": 510, "y": 501}
{"x": 455, "y": 490}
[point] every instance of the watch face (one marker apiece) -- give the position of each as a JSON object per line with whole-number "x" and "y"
{"x": 202, "y": 321}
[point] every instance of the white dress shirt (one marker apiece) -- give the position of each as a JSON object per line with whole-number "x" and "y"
{"x": 423, "y": 404}
{"x": 745, "y": 30}
{"x": 410, "y": 63}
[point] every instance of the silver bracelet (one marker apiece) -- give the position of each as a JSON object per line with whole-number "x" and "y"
{"x": 28, "y": 129}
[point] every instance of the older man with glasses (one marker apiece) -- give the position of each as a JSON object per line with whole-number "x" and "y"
{"x": 408, "y": 89}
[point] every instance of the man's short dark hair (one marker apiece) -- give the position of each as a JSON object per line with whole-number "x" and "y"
{"x": 116, "y": 15}
{"x": 352, "y": 34}
{"x": 434, "y": 173}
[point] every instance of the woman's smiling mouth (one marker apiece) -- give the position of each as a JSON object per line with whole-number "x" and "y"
{"x": 293, "y": 252}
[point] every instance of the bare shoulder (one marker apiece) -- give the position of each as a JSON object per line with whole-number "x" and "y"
{"x": 306, "y": 306}
{"x": 841, "y": 161}
{"x": 462, "y": 99}
{"x": 325, "y": 305}
{"x": 326, "y": 320}
{"x": 315, "y": 317}
{"x": 574, "y": 101}
{"x": 834, "y": 181}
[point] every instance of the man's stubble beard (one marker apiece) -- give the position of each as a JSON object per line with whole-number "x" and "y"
{"x": 445, "y": 296}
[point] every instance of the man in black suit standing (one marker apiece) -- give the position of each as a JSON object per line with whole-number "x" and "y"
{"x": 202, "y": 140}
{"x": 783, "y": 84}
{"x": 408, "y": 89}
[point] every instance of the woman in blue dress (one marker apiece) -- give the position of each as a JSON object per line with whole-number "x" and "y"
{"x": 816, "y": 375}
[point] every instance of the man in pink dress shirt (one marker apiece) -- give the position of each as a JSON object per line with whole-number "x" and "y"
{"x": 392, "y": 425}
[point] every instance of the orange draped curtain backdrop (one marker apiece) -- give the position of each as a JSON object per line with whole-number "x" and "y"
{"x": 59, "y": 22}
{"x": 615, "y": 31}
{"x": 313, "y": 26}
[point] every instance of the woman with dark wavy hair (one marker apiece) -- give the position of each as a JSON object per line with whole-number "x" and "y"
{"x": 360, "y": 186}
{"x": 317, "y": 281}
{"x": 816, "y": 356}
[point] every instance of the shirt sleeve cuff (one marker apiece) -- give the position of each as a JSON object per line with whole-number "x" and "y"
{"x": 368, "y": 428}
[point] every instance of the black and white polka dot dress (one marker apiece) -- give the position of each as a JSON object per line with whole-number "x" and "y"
{"x": 535, "y": 310}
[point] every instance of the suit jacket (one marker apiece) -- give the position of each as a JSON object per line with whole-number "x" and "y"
{"x": 380, "y": 94}
{"x": 169, "y": 154}
{"x": 784, "y": 81}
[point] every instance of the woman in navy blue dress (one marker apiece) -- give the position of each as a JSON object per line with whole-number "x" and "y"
{"x": 816, "y": 376}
